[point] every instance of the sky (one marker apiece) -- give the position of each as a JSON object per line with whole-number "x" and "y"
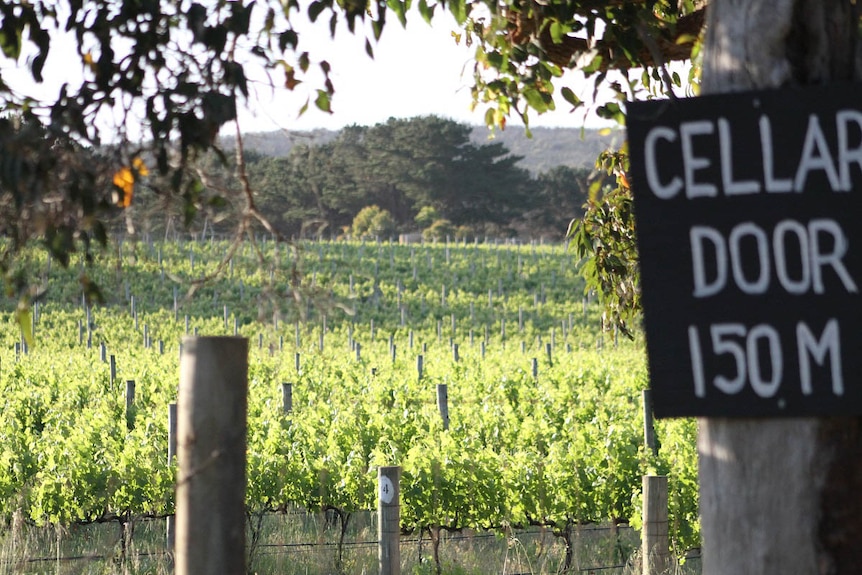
{"x": 416, "y": 71}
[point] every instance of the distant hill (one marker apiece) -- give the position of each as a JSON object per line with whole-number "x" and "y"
{"x": 549, "y": 147}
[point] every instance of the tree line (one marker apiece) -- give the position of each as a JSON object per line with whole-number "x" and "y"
{"x": 418, "y": 175}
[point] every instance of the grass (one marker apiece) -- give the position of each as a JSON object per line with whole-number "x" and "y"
{"x": 300, "y": 543}
{"x": 94, "y": 549}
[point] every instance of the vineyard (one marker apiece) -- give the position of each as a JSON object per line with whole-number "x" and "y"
{"x": 545, "y": 419}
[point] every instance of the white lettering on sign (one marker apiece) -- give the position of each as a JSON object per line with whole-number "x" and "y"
{"x": 847, "y": 155}
{"x": 821, "y": 244}
{"x": 772, "y": 184}
{"x": 830, "y": 344}
{"x": 815, "y": 156}
{"x": 692, "y": 163}
{"x": 758, "y": 359}
{"x": 732, "y": 187}
{"x": 672, "y": 188}
{"x": 692, "y": 147}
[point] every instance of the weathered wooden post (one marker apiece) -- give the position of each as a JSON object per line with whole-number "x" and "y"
{"x": 649, "y": 427}
{"x": 443, "y": 403}
{"x": 211, "y": 443}
{"x": 287, "y": 397}
{"x": 654, "y": 539}
{"x": 764, "y": 352}
{"x": 389, "y": 520}
{"x": 130, "y": 404}
{"x": 170, "y": 528}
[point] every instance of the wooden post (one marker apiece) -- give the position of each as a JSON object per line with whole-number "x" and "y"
{"x": 170, "y": 527}
{"x": 211, "y": 432}
{"x": 797, "y": 479}
{"x": 656, "y": 547}
{"x": 287, "y": 397}
{"x": 649, "y": 428}
{"x": 443, "y": 403}
{"x": 130, "y": 404}
{"x": 389, "y": 520}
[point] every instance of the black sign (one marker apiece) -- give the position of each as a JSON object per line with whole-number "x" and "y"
{"x": 749, "y": 219}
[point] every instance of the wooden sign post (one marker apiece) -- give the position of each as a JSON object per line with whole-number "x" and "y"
{"x": 211, "y": 452}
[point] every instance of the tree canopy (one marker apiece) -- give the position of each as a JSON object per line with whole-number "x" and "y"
{"x": 406, "y": 167}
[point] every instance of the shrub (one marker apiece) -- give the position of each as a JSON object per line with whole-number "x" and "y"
{"x": 439, "y": 230}
{"x": 426, "y": 217}
{"x": 372, "y": 221}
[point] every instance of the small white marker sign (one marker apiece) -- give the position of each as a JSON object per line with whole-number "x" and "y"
{"x": 387, "y": 490}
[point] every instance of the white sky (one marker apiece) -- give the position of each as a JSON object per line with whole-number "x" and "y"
{"x": 416, "y": 71}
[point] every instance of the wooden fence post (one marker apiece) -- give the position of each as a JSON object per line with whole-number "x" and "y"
{"x": 130, "y": 404}
{"x": 287, "y": 397}
{"x": 649, "y": 427}
{"x": 656, "y": 548}
{"x": 170, "y": 528}
{"x": 389, "y": 520}
{"x": 443, "y": 403}
{"x": 211, "y": 445}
